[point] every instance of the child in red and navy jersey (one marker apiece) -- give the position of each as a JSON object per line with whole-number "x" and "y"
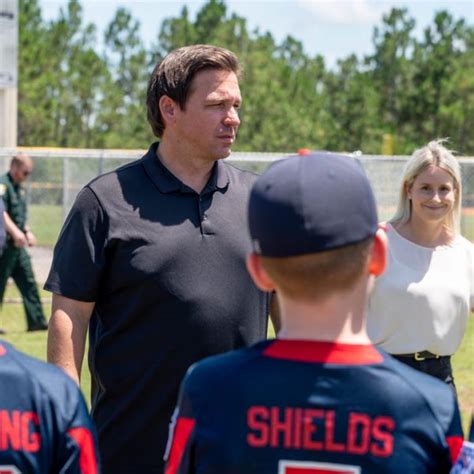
{"x": 320, "y": 398}
{"x": 44, "y": 423}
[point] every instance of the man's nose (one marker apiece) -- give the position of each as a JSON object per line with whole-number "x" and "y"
{"x": 232, "y": 118}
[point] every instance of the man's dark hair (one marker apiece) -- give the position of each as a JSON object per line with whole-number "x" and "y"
{"x": 173, "y": 77}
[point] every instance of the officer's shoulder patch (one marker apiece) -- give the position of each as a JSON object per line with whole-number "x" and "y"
{"x": 3, "y": 189}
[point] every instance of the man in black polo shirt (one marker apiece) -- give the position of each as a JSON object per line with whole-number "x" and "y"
{"x": 152, "y": 260}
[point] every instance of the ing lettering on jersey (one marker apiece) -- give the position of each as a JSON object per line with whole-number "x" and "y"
{"x": 19, "y": 431}
{"x": 9, "y": 470}
{"x": 314, "y": 429}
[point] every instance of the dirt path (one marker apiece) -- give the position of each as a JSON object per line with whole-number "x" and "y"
{"x": 41, "y": 258}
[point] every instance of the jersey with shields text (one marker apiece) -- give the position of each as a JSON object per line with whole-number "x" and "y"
{"x": 307, "y": 407}
{"x": 44, "y": 423}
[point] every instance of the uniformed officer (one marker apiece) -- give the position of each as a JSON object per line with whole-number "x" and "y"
{"x": 15, "y": 261}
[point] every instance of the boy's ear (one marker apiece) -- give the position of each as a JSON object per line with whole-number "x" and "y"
{"x": 258, "y": 273}
{"x": 378, "y": 254}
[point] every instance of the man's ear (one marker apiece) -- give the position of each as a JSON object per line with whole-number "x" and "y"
{"x": 258, "y": 273}
{"x": 168, "y": 108}
{"x": 378, "y": 254}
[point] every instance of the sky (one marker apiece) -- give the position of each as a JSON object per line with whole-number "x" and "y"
{"x": 333, "y": 28}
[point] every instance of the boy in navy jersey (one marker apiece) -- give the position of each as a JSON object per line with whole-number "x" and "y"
{"x": 320, "y": 398}
{"x": 44, "y": 423}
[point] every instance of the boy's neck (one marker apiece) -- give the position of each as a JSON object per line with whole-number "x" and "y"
{"x": 338, "y": 318}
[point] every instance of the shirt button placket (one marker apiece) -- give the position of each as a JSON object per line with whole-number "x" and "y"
{"x": 205, "y": 226}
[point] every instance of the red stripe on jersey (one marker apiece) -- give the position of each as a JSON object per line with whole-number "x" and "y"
{"x": 3, "y": 351}
{"x": 87, "y": 459}
{"x": 323, "y": 352}
{"x": 455, "y": 445}
{"x": 182, "y": 432}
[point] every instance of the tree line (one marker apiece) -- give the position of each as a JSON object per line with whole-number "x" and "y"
{"x": 407, "y": 92}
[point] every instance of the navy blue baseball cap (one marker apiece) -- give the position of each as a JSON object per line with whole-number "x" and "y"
{"x": 311, "y": 203}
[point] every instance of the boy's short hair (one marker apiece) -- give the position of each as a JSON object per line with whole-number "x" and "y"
{"x": 314, "y": 276}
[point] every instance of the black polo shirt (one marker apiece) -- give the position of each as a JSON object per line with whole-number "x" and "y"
{"x": 166, "y": 268}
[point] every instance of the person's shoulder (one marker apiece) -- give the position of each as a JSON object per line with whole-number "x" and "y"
{"x": 465, "y": 243}
{"x": 106, "y": 180}
{"x": 390, "y": 229}
{"x": 54, "y": 384}
{"x": 120, "y": 175}
{"x": 219, "y": 369}
{"x": 421, "y": 392}
{"x": 240, "y": 175}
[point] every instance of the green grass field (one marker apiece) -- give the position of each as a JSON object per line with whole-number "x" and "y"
{"x": 12, "y": 319}
{"x": 45, "y": 222}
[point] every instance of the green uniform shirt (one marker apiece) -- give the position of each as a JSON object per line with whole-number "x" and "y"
{"x": 14, "y": 197}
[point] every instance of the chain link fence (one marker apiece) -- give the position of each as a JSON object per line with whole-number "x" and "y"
{"x": 59, "y": 174}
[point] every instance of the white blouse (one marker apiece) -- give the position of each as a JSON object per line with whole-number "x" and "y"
{"x": 423, "y": 300}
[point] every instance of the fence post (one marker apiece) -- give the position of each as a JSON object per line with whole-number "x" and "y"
{"x": 66, "y": 174}
{"x": 101, "y": 162}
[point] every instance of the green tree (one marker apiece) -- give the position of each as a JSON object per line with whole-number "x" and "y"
{"x": 174, "y": 33}
{"x": 79, "y": 78}
{"x": 350, "y": 109}
{"x": 392, "y": 69}
{"x": 443, "y": 92}
{"x": 415, "y": 90}
{"x": 122, "y": 116}
{"x": 35, "y": 101}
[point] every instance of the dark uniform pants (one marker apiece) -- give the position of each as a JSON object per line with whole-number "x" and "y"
{"x": 16, "y": 263}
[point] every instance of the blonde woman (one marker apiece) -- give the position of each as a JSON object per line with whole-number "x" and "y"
{"x": 419, "y": 308}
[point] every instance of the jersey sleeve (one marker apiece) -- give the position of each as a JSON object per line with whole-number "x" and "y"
{"x": 79, "y": 453}
{"x": 79, "y": 255}
{"x": 454, "y": 434}
{"x": 179, "y": 456}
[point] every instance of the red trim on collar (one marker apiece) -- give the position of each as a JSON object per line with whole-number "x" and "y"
{"x": 323, "y": 352}
{"x": 3, "y": 350}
